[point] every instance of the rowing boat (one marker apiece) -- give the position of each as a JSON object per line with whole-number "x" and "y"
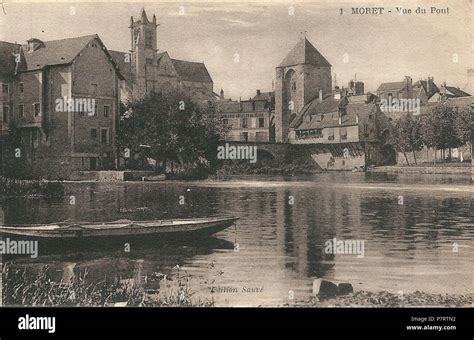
{"x": 155, "y": 178}
{"x": 121, "y": 228}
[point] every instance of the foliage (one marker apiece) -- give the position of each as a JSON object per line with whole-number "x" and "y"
{"x": 406, "y": 136}
{"x": 14, "y": 167}
{"x": 443, "y": 127}
{"x": 26, "y": 289}
{"x": 171, "y": 128}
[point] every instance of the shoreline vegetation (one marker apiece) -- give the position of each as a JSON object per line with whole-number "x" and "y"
{"x": 173, "y": 290}
{"x": 10, "y": 187}
{"x": 40, "y": 289}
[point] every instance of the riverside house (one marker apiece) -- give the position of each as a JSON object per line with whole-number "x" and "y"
{"x": 41, "y": 81}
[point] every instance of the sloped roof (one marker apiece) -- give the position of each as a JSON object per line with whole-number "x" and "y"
{"x": 56, "y": 52}
{"x": 397, "y": 85}
{"x": 457, "y": 92}
{"x": 264, "y": 96}
{"x": 424, "y": 83}
{"x": 348, "y": 119}
{"x": 124, "y": 67}
{"x": 315, "y": 107}
{"x": 229, "y": 106}
{"x": 60, "y": 52}
{"x": 7, "y": 58}
{"x": 304, "y": 53}
{"x": 191, "y": 71}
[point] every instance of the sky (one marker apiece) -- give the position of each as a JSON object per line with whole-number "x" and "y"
{"x": 242, "y": 43}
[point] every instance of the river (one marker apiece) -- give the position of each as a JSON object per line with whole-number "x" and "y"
{"x": 418, "y": 233}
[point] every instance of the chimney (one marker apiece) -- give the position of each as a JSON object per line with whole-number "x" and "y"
{"x": 221, "y": 94}
{"x": 320, "y": 95}
{"x": 428, "y": 85}
{"x": 258, "y": 92}
{"x": 408, "y": 82}
{"x": 357, "y": 119}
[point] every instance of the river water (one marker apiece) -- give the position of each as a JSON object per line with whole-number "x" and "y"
{"x": 418, "y": 233}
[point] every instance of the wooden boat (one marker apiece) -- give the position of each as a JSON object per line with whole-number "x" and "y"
{"x": 154, "y": 178}
{"x": 122, "y": 228}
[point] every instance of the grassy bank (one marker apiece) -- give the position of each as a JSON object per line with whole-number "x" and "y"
{"x": 39, "y": 289}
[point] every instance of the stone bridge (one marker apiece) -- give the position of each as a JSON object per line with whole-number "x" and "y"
{"x": 340, "y": 156}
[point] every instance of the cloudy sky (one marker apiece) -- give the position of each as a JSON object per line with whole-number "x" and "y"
{"x": 376, "y": 48}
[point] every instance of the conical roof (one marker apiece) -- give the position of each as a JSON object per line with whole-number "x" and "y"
{"x": 304, "y": 53}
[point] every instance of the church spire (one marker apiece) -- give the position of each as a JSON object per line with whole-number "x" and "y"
{"x": 143, "y": 16}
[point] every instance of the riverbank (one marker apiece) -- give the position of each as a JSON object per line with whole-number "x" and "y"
{"x": 440, "y": 169}
{"x": 364, "y": 298}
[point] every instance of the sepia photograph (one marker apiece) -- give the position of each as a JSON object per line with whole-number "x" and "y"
{"x": 298, "y": 155}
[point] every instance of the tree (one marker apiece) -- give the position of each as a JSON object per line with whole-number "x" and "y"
{"x": 15, "y": 158}
{"x": 170, "y": 128}
{"x": 405, "y": 136}
{"x": 442, "y": 128}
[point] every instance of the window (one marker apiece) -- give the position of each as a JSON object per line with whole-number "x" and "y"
{"x": 94, "y": 89}
{"x": 94, "y": 134}
{"x": 293, "y": 86}
{"x": 245, "y": 123}
{"x": 225, "y": 121}
{"x": 96, "y": 111}
{"x": 149, "y": 61}
{"x": 93, "y": 163}
{"x": 106, "y": 110}
{"x": 331, "y": 134}
{"x": 33, "y": 155}
{"x": 21, "y": 88}
{"x": 21, "y": 110}
{"x": 261, "y": 122}
{"x": 5, "y": 88}
{"x": 104, "y": 136}
{"x": 343, "y": 133}
{"x": 371, "y": 117}
{"x": 6, "y": 113}
{"x": 245, "y": 136}
{"x": 37, "y": 109}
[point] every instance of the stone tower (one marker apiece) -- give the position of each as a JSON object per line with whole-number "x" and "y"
{"x": 299, "y": 78}
{"x": 144, "y": 54}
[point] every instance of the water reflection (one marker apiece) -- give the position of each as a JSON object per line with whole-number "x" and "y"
{"x": 284, "y": 225}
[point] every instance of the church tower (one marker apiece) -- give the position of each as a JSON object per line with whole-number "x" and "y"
{"x": 144, "y": 54}
{"x": 303, "y": 75}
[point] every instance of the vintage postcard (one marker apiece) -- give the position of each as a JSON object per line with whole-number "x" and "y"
{"x": 229, "y": 154}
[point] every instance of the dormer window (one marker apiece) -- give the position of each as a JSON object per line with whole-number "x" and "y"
{"x": 34, "y": 44}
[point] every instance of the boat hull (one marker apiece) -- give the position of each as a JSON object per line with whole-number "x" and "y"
{"x": 182, "y": 228}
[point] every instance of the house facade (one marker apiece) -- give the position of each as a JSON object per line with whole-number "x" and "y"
{"x": 63, "y": 100}
{"x": 248, "y": 120}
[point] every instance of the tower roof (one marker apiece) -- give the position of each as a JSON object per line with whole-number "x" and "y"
{"x": 143, "y": 16}
{"x": 304, "y": 53}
